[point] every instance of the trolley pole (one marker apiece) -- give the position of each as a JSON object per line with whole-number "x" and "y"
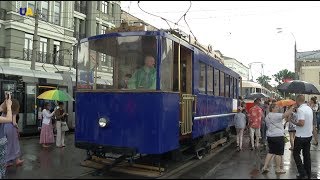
{"x": 35, "y": 38}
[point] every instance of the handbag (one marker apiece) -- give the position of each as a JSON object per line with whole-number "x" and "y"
{"x": 64, "y": 126}
{"x": 286, "y": 139}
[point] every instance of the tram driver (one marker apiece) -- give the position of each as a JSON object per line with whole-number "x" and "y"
{"x": 145, "y": 77}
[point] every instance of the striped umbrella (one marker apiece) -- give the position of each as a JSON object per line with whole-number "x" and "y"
{"x": 56, "y": 95}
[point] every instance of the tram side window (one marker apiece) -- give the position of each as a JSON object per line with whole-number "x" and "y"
{"x": 227, "y": 85}
{"x": 202, "y": 78}
{"x": 231, "y": 87}
{"x": 210, "y": 80}
{"x": 216, "y": 82}
{"x": 166, "y": 66}
{"x": 222, "y": 83}
{"x": 235, "y": 88}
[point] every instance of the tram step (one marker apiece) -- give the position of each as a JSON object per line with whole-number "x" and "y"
{"x": 217, "y": 143}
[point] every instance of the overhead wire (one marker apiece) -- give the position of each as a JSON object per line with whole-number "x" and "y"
{"x": 166, "y": 20}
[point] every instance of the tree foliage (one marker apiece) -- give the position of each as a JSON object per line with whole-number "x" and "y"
{"x": 284, "y": 74}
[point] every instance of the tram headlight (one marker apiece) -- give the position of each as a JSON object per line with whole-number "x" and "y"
{"x": 103, "y": 122}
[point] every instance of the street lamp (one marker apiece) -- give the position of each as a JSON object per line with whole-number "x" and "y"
{"x": 295, "y": 50}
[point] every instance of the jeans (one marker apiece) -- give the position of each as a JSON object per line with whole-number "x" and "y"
{"x": 303, "y": 144}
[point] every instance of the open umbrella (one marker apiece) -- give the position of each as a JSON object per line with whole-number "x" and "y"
{"x": 257, "y": 95}
{"x": 56, "y": 95}
{"x": 298, "y": 87}
{"x": 285, "y": 102}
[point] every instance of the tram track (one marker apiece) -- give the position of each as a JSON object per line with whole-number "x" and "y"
{"x": 177, "y": 169}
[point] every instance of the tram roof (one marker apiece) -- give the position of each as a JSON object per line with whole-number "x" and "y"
{"x": 140, "y": 33}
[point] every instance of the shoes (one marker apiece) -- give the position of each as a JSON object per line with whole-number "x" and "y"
{"x": 281, "y": 171}
{"x": 316, "y": 144}
{"x": 302, "y": 176}
{"x": 264, "y": 171}
{"x": 9, "y": 164}
{"x": 19, "y": 162}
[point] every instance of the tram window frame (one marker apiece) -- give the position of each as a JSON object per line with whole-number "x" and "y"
{"x": 222, "y": 86}
{"x": 210, "y": 80}
{"x": 202, "y": 82}
{"x": 216, "y": 85}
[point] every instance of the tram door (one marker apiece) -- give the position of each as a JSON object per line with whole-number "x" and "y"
{"x": 183, "y": 64}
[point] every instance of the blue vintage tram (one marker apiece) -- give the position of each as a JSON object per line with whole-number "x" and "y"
{"x": 193, "y": 95}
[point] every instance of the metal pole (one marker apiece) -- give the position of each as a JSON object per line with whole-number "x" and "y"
{"x": 35, "y": 38}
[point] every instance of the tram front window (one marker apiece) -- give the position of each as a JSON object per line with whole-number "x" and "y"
{"x": 126, "y": 63}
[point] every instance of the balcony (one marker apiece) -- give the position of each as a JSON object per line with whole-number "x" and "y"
{"x": 81, "y": 8}
{"x": 27, "y": 54}
{"x": 44, "y": 57}
{"x": 58, "y": 59}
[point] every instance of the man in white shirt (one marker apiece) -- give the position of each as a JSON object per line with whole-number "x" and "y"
{"x": 304, "y": 127}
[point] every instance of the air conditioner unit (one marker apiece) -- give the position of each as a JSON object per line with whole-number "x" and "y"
{"x": 3, "y": 14}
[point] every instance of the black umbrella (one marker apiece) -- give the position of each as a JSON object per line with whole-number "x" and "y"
{"x": 257, "y": 95}
{"x": 298, "y": 87}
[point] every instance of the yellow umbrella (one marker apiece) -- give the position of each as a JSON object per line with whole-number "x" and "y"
{"x": 56, "y": 95}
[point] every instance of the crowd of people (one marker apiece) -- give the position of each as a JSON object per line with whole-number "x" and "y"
{"x": 267, "y": 122}
{"x": 10, "y": 152}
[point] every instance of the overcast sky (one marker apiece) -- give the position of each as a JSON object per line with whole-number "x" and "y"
{"x": 243, "y": 30}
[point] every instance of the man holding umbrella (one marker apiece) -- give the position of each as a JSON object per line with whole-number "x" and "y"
{"x": 304, "y": 127}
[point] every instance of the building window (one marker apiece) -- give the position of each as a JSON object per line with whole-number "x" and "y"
{"x": 42, "y": 56}
{"x": 103, "y": 29}
{"x": 44, "y": 10}
{"x": 112, "y": 10}
{"x": 97, "y": 28}
{"x": 216, "y": 82}
{"x": 56, "y": 52}
{"x": 27, "y": 51}
{"x": 28, "y": 41}
{"x": 98, "y": 5}
{"x": 57, "y": 9}
{"x": 104, "y": 7}
{"x": 31, "y": 4}
{"x": 202, "y": 78}
{"x": 18, "y": 5}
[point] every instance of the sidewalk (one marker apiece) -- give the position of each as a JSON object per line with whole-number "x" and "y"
{"x": 245, "y": 164}
{"x": 51, "y": 163}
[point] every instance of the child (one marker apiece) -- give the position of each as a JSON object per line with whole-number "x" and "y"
{"x": 240, "y": 124}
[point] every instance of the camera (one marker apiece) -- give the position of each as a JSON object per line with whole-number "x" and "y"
{"x": 7, "y": 94}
